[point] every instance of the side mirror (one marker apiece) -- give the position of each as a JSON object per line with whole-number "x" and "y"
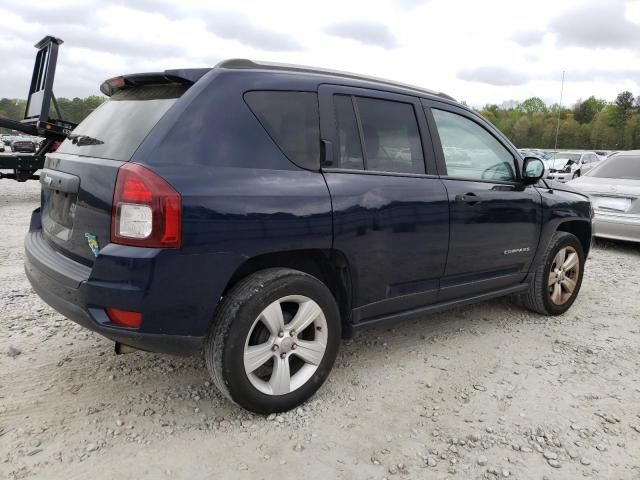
{"x": 532, "y": 170}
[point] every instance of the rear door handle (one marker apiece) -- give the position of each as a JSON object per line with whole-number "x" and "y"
{"x": 469, "y": 198}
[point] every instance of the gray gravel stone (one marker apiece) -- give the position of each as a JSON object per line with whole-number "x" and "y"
{"x": 554, "y": 463}
{"x": 13, "y": 352}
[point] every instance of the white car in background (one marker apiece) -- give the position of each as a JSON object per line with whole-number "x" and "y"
{"x": 614, "y": 189}
{"x": 565, "y": 166}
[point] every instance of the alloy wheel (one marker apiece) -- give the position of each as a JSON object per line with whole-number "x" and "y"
{"x": 285, "y": 345}
{"x": 563, "y": 275}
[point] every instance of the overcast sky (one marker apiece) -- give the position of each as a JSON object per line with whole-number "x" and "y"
{"x": 482, "y": 52}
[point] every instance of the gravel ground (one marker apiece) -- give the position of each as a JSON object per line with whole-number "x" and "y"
{"x": 486, "y": 391}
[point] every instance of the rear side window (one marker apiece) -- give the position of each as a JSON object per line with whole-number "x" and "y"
{"x": 291, "y": 119}
{"x": 116, "y": 128}
{"x": 349, "y": 146}
{"x": 387, "y": 130}
{"x": 391, "y": 136}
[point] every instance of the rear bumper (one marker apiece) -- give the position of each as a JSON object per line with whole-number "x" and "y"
{"x": 617, "y": 226}
{"x": 67, "y": 301}
{"x": 172, "y": 322}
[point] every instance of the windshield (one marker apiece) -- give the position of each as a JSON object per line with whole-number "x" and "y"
{"x": 116, "y": 128}
{"x": 618, "y": 166}
{"x": 574, "y": 157}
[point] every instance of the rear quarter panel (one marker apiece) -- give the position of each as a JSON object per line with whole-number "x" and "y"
{"x": 241, "y": 196}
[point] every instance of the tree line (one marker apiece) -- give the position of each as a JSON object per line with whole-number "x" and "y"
{"x": 591, "y": 124}
{"x": 72, "y": 109}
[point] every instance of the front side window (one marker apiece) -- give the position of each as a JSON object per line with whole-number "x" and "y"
{"x": 377, "y": 135}
{"x": 291, "y": 119}
{"x": 471, "y": 152}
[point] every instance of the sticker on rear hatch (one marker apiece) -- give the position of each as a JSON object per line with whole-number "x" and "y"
{"x": 92, "y": 240}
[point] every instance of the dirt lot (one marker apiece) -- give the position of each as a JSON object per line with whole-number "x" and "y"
{"x": 486, "y": 391}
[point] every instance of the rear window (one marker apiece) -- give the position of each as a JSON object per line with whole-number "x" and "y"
{"x": 618, "y": 166}
{"x": 291, "y": 119}
{"x": 116, "y": 128}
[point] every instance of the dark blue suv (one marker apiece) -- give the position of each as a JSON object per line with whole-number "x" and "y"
{"x": 260, "y": 212}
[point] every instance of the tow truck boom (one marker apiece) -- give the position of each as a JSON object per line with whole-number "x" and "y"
{"x": 37, "y": 120}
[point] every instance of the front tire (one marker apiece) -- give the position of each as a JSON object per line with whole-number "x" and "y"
{"x": 273, "y": 340}
{"x": 558, "y": 278}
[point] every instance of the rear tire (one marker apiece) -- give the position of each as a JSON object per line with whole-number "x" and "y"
{"x": 557, "y": 279}
{"x": 255, "y": 352}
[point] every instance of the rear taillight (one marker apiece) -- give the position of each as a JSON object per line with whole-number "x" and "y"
{"x": 147, "y": 211}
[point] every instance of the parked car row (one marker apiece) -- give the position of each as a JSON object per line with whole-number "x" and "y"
{"x": 564, "y": 165}
{"x": 614, "y": 189}
{"x": 610, "y": 178}
{"x": 20, "y": 143}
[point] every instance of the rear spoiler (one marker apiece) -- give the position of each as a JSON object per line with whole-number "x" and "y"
{"x": 187, "y": 76}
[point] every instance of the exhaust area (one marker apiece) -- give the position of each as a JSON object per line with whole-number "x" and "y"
{"x": 122, "y": 348}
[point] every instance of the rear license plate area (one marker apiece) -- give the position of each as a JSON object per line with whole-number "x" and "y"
{"x": 58, "y": 212}
{"x": 63, "y": 207}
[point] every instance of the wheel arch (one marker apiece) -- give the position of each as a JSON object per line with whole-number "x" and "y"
{"x": 330, "y": 266}
{"x": 579, "y": 228}
{"x": 576, "y": 225}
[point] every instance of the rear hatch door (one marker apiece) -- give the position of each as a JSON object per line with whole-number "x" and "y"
{"x": 79, "y": 179}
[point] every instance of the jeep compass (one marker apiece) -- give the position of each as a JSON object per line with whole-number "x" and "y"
{"x": 260, "y": 212}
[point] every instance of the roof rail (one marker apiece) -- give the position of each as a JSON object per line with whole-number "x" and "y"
{"x": 243, "y": 63}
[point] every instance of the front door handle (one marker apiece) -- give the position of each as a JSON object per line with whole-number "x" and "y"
{"x": 469, "y": 198}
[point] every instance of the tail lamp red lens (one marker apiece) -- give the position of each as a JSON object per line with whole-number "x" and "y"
{"x": 124, "y": 318}
{"x": 147, "y": 211}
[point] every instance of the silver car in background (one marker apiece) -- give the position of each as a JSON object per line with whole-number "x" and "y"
{"x": 614, "y": 189}
{"x": 565, "y": 166}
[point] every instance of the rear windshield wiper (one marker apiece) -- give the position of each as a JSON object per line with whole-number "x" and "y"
{"x": 83, "y": 140}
